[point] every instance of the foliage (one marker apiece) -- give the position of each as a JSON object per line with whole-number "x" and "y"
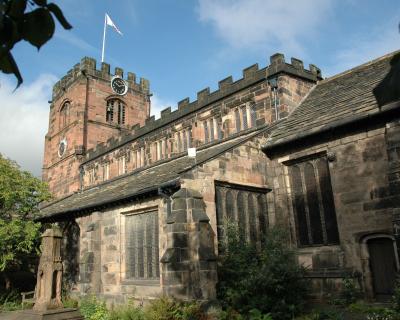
{"x": 20, "y": 195}
{"x": 396, "y": 297}
{"x": 256, "y": 314}
{"x": 20, "y": 192}
{"x": 128, "y": 312}
{"x": 382, "y": 314}
{"x": 35, "y": 25}
{"x": 10, "y": 300}
{"x": 69, "y": 302}
{"x": 166, "y": 308}
{"x": 373, "y": 312}
{"x": 93, "y": 309}
{"x": 349, "y": 292}
{"x": 268, "y": 279}
{"x": 161, "y": 309}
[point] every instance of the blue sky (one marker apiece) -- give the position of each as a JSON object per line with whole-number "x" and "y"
{"x": 183, "y": 46}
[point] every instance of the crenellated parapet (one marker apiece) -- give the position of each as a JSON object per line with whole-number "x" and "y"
{"x": 226, "y": 88}
{"x": 87, "y": 68}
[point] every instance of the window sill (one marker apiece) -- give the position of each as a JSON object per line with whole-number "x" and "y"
{"x": 142, "y": 282}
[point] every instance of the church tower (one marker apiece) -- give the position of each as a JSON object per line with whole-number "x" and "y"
{"x": 88, "y": 107}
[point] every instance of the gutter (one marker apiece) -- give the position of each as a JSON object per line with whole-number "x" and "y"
{"x": 172, "y": 184}
{"x": 335, "y": 125}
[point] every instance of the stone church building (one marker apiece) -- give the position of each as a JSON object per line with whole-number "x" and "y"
{"x": 281, "y": 145}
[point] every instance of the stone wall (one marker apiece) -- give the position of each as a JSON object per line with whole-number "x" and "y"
{"x": 103, "y": 254}
{"x": 358, "y": 165}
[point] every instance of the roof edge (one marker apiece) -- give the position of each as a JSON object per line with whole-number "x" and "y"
{"x": 55, "y": 216}
{"x": 386, "y": 109}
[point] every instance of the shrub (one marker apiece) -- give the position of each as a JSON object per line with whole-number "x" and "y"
{"x": 166, "y": 308}
{"x": 396, "y": 297}
{"x": 269, "y": 279}
{"x": 349, "y": 292}
{"x": 10, "y": 300}
{"x": 128, "y": 312}
{"x": 93, "y": 309}
{"x": 69, "y": 302}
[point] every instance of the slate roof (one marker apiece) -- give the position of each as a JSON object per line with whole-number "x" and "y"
{"x": 335, "y": 100}
{"x": 137, "y": 183}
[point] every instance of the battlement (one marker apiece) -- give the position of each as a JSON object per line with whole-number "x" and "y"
{"x": 87, "y": 68}
{"x": 226, "y": 87}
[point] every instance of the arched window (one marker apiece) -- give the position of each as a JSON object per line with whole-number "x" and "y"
{"x": 253, "y": 115}
{"x": 245, "y": 207}
{"x": 237, "y": 120}
{"x": 110, "y": 111}
{"x": 244, "y": 118}
{"x": 313, "y": 202}
{"x": 115, "y": 105}
{"x": 64, "y": 114}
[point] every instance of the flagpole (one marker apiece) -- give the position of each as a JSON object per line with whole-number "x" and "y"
{"x": 104, "y": 37}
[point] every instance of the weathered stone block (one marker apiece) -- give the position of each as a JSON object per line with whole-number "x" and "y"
{"x": 179, "y": 240}
{"x": 179, "y": 204}
{"x": 110, "y": 230}
{"x": 199, "y": 215}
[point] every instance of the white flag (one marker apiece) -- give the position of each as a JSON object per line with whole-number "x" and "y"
{"x": 111, "y": 24}
{"x": 191, "y": 152}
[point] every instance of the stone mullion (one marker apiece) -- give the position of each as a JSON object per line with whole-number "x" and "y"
{"x": 222, "y": 191}
{"x": 144, "y": 245}
{"x": 136, "y": 247}
{"x": 245, "y": 197}
{"x": 256, "y": 217}
{"x": 310, "y": 238}
{"x": 320, "y": 205}
{"x": 156, "y": 261}
{"x": 235, "y": 194}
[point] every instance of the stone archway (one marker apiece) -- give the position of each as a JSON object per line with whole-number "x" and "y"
{"x": 380, "y": 264}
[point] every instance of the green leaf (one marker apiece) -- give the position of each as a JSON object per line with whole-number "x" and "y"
{"x": 17, "y": 8}
{"x": 40, "y": 2}
{"x": 59, "y": 15}
{"x": 38, "y": 27}
{"x": 8, "y": 65}
{"x": 8, "y": 30}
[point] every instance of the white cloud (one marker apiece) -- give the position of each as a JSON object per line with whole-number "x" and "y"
{"x": 362, "y": 48}
{"x": 259, "y": 24}
{"x": 158, "y": 104}
{"x": 24, "y": 121}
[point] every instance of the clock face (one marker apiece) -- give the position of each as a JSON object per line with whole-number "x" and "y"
{"x": 119, "y": 85}
{"x": 62, "y": 147}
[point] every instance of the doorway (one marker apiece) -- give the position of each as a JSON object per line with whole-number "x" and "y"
{"x": 383, "y": 266}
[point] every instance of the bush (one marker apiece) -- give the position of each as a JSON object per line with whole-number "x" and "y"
{"x": 10, "y": 300}
{"x": 93, "y": 309}
{"x": 69, "y": 302}
{"x": 396, "y": 297}
{"x": 171, "y": 309}
{"x": 128, "y": 312}
{"x": 269, "y": 279}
